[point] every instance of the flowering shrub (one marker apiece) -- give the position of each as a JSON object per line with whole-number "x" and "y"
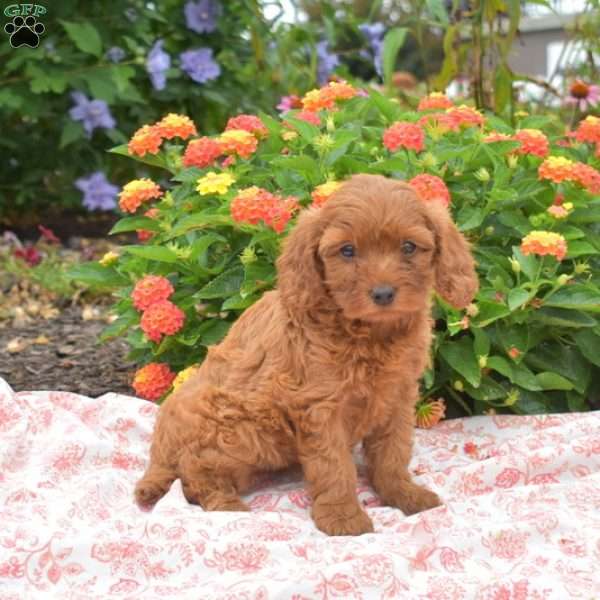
{"x": 526, "y": 199}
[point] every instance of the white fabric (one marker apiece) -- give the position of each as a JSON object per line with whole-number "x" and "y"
{"x": 521, "y": 518}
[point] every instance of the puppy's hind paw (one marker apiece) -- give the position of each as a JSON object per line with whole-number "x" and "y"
{"x": 147, "y": 494}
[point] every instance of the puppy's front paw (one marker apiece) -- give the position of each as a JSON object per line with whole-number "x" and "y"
{"x": 342, "y": 520}
{"x": 411, "y": 498}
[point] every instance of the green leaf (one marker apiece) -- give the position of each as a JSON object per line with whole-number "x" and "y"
{"x": 85, "y": 36}
{"x": 215, "y": 331}
{"x": 101, "y": 85}
{"x": 72, "y": 131}
{"x": 135, "y": 224}
{"x": 236, "y": 302}
{"x": 515, "y": 220}
{"x": 201, "y": 220}
{"x": 502, "y": 88}
{"x": 437, "y": 9}
{"x": 224, "y": 285}
{"x": 588, "y": 343}
{"x": 580, "y": 248}
{"x": 120, "y": 325}
{"x": 307, "y": 131}
{"x": 576, "y": 402}
{"x": 513, "y": 337}
{"x": 203, "y": 243}
{"x": 564, "y": 360}
{"x": 392, "y": 42}
{"x": 518, "y": 296}
{"x": 582, "y": 297}
{"x": 562, "y": 317}
{"x": 450, "y": 64}
{"x": 553, "y": 381}
{"x": 516, "y": 373}
{"x": 532, "y": 403}
{"x": 258, "y": 275}
{"x": 158, "y": 253}
{"x": 589, "y": 214}
{"x": 9, "y": 99}
{"x": 385, "y": 106}
{"x": 529, "y": 263}
{"x": 96, "y": 275}
{"x": 469, "y": 217}
{"x": 148, "y": 159}
{"x": 303, "y": 164}
{"x": 342, "y": 140}
{"x": 481, "y": 341}
{"x": 42, "y": 81}
{"x": 121, "y": 74}
{"x": 460, "y": 356}
{"x": 489, "y": 312}
{"x": 487, "y": 390}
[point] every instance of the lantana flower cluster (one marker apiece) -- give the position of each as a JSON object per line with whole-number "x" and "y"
{"x": 159, "y": 316}
{"x": 559, "y": 169}
{"x": 148, "y": 139}
{"x": 235, "y": 194}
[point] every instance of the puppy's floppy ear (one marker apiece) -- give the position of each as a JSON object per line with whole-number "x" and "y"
{"x": 299, "y": 270}
{"x": 455, "y": 277}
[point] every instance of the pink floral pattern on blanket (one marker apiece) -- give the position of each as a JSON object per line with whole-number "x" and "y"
{"x": 520, "y": 519}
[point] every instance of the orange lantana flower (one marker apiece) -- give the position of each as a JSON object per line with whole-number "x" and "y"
{"x": 136, "y": 192}
{"x": 174, "y": 125}
{"x": 556, "y": 168}
{"x": 255, "y": 204}
{"x": 161, "y": 318}
{"x": 588, "y": 130}
{"x": 404, "y": 135}
{"x": 430, "y": 188}
{"x": 151, "y": 289}
{"x": 436, "y": 100}
{"x": 533, "y": 141}
{"x": 202, "y": 152}
{"x": 327, "y": 96}
{"x": 543, "y": 243}
{"x": 238, "y": 141}
{"x": 323, "y": 192}
{"x": 153, "y": 380}
{"x": 147, "y": 139}
{"x": 249, "y": 123}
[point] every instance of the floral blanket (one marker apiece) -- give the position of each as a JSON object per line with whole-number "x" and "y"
{"x": 521, "y": 518}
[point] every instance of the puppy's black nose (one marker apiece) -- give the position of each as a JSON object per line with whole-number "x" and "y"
{"x": 383, "y": 294}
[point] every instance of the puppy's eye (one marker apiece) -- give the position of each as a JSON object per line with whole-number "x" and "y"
{"x": 408, "y": 248}
{"x": 348, "y": 250}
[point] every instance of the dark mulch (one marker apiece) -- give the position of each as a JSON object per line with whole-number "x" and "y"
{"x": 63, "y": 353}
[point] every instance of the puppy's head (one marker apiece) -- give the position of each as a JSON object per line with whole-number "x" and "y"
{"x": 375, "y": 251}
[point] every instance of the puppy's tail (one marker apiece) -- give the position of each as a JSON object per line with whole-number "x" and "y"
{"x": 153, "y": 485}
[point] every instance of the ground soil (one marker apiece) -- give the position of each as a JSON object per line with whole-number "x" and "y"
{"x": 63, "y": 353}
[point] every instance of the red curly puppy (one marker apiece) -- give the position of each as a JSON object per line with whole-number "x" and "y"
{"x": 330, "y": 358}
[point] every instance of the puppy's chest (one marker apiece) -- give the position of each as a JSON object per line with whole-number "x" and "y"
{"x": 369, "y": 386}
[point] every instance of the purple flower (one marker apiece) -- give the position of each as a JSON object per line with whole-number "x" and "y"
{"x": 115, "y": 54}
{"x": 326, "y": 61}
{"x": 92, "y": 113}
{"x": 157, "y": 64}
{"x": 374, "y": 33}
{"x": 98, "y": 192}
{"x": 200, "y": 65}
{"x": 201, "y": 16}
